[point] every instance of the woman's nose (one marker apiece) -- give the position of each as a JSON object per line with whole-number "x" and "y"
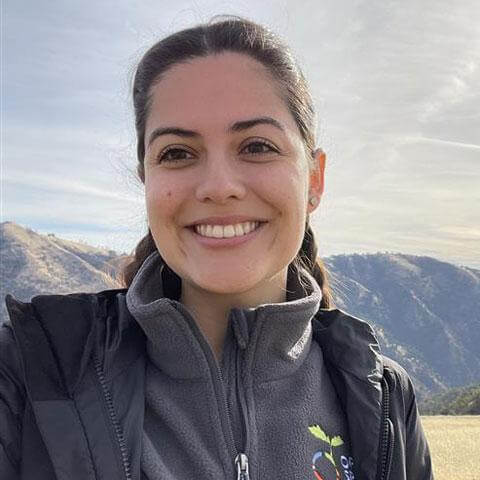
{"x": 220, "y": 182}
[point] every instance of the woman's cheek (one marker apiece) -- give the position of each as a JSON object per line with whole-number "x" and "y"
{"x": 159, "y": 205}
{"x": 285, "y": 185}
{"x": 159, "y": 189}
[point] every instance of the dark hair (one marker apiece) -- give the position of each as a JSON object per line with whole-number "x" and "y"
{"x": 232, "y": 34}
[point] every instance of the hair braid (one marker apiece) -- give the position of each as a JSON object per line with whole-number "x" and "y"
{"x": 308, "y": 258}
{"x": 144, "y": 248}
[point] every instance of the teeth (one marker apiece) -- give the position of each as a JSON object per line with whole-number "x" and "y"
{"x": 229, "y": 231}
{"x": 238, "y": 230}
{"x": 217, "y": 231}
{"x": 226, "y": 231}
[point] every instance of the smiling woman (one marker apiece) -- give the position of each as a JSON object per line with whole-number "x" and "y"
{"x": 223, "y": 357}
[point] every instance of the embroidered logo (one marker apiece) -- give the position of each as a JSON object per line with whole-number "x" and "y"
{"x": 324, "y": 465}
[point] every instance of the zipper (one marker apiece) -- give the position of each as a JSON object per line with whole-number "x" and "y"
{"x": 113, "y": 419}
{"x": 242, "y": 400}
{"x": 241, "y": 461}
{"x": 241, "y": 458}
{"x": 386, "y": 440}
{"x": 223, "y": 400}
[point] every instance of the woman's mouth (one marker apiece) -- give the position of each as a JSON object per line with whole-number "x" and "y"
{"x": 226, "y": 235}
{"x": 226, "y": 231}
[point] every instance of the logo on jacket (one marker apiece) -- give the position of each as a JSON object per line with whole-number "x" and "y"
{"x": 324, "y": 465}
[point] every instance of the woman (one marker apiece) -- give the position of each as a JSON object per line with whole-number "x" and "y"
{"x": 222, "y": 358}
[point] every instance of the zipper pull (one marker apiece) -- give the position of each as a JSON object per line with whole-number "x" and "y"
{"x": 241, "y": 461}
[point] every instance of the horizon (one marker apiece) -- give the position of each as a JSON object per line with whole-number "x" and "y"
{"x": 395, "y": 87}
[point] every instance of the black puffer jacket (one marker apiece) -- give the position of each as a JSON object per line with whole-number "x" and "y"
{"x": 72, "y": 378}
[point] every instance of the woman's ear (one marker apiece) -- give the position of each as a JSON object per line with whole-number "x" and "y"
{"x": 317, "y": 180}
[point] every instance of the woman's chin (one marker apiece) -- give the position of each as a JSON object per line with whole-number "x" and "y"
{"x": 226, "y": 287}
{"x": 243, "y": 288}
{"x": 223, "y": 283}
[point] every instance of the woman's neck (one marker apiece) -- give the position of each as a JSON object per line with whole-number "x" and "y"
{"x": 210, "y": 309}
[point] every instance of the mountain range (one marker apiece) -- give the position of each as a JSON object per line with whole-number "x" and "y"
{"x": 425, "y": 312}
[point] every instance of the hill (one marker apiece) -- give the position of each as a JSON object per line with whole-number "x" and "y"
{"x": 425, "y": 313}
{"x": 33, "y": 264}
{"x": 457, "y": 401}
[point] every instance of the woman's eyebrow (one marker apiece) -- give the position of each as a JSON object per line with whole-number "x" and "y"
{"x": 235, "y": 127}
{"x": 181, "y": 132}
{"x": 245, "y": 124}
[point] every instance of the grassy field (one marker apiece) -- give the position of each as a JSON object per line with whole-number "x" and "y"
{"x": 455, "y": 446}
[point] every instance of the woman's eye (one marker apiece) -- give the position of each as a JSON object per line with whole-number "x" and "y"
{"x": 258, "y": 147}
{"x": 174, "y": 155}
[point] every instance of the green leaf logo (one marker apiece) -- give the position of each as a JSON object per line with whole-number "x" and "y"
{"x": 337, "y": 441}
{"x": 317, "y": 432}
{"x": 330, "y": 457}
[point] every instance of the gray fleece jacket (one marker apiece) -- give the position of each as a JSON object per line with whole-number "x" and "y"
{"x": 271, "y": 398}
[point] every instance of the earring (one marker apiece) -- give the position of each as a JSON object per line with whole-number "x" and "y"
{"x": 313, "y": 201}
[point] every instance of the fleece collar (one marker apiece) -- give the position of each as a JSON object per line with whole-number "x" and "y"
{"x": 275, "y": 337}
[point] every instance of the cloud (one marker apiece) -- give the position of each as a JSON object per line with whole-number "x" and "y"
{"x": 395, "y": 84}
{"x": 441, "y": 142}
{"x": 58, "y": 186}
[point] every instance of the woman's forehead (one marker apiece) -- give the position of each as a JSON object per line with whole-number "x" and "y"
{"x": 218, "y": 89}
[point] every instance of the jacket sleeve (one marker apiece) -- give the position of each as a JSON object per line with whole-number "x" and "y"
{"x": 410, "y": 441}
{"x": 419, "y": 462}
{"x": 12, "y": 404}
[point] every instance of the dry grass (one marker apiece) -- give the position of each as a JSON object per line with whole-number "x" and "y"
{"x": 455, "y": 446}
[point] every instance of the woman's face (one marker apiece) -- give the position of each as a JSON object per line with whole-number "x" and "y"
{"x": 226, "y": 175}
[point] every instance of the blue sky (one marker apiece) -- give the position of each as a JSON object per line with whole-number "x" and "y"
{"x": 396, "y": 85}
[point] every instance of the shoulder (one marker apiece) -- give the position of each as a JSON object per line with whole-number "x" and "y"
{"x": 398, "y": 377}
{"x": 401, "y": 389}
{"x": 350, "y": 339}
{"x": 343, "y": 325}
{"x": 67, "y": 306}
{"x": 63, "y": 321}
{"x": 51, "y": 337}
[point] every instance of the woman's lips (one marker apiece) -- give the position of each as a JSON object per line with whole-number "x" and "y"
{"x": 226, "y": 220}
{"x": 225, "y": 241}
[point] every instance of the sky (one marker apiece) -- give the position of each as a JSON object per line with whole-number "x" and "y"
{"x": 396, "y": 85}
